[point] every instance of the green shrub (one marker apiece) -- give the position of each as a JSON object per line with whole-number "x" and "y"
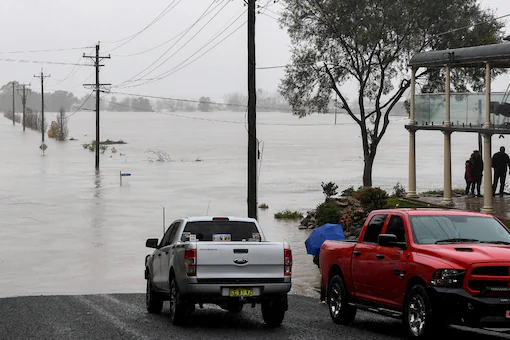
{"x": 263, "y": 206}
{"x": 349, "y": 191}
{"x": 329, "y": 189}
{"x": 288, "y": 215}
{"x": 327, "y": 213}
{"x": 399, "y": 190}
{"x": 373, "y": 199}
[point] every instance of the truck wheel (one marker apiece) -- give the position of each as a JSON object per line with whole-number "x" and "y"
{"x": 339, "y": 309}
{"x": 180, "y": 309}
{"x": 153, "y": 301}
{"x": 418, "y": 318}
{"x": 273, "y": 311}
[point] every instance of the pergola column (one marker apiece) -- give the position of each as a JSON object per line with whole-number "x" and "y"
{"x": 487, "y": 141}
{"x": 447, "y": 191}
{"x": 411, "y": 193}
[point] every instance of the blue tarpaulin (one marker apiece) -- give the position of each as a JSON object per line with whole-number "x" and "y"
{"x": 332, "y": 232}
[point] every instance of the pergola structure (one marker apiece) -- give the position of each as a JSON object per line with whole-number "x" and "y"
{"x": 425, "y": 108}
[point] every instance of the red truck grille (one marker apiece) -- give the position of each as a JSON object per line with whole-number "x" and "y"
{"x": 488, "y": 280}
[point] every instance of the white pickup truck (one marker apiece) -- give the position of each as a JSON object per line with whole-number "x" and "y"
{"x": 218, "y": 260}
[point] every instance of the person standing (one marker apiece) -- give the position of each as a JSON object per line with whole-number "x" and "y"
{"x": 476, "y": 172}
{"x": 500, "y": 163}
{"x": 468, "y": 178}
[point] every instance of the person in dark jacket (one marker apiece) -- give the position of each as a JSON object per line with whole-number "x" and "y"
{"x": 476, "y": 172}
{"x": 500, "y": 163}
{"x": 468, "y": 178}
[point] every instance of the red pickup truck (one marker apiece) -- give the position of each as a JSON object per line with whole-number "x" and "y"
{"x": 429, "y": 267}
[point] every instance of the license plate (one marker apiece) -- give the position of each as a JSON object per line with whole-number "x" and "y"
{"x": 508, "y": 314}
{"x": 241, "y": 292}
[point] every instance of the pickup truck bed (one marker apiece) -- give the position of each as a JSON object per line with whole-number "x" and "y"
{"x": 224, "y": 261}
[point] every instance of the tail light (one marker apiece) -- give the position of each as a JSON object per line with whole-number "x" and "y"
{"x": 287, "y": 262}
{"x": 190, "y": 262}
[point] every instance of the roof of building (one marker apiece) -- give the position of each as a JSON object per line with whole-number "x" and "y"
{"x": 477, "y": 56}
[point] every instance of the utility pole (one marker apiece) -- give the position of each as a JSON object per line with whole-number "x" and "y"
{"x": 252, "y": 114}
{"x": 97, "y": 86}
{"x": 42, "y": 76}
{"x": 25, "y": 92}
{"x": 13, "y": 103}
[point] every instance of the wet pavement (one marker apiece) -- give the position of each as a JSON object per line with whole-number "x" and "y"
{"x": 124, "y": 317}
{"x": 500, "y": 204}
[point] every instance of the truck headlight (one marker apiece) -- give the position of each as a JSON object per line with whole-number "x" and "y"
{"x": 447, "y": 278}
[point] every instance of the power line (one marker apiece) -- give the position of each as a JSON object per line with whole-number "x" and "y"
{"x": 434, "y": 35}
{"x": 178, "y": 68}
{"x": 82, "y": 105}
{"x": 468, "y": 26}
{"x": 189, "y": 40}
{"x": 148, "y": 67}
{"x": 209, "y": 119}
{"x": 48, "y": 50}
{"x": 212, "y": 103}
{"x": 163, "y": 43}
{"x": 126, "y": 38}
{"x": 70, "y": 74}
{"x": 42, "y": 62}
{"x": 159, "y": 17}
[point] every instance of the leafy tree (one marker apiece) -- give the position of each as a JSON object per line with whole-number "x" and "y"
{"x": 141, "y": 104}
{"x": 204, "y": 104}
{"x": 371, "y": 42}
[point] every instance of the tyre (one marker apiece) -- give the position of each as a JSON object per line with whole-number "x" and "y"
{"x": 180, "y": 309}
{"x": 418, "y": 317}
{"x": 153, "y": 301}
{"x": 338, "y": 302}
{"x": 273, "y": 311}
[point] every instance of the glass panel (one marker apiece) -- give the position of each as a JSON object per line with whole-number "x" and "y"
{"x": 466, "y": 109}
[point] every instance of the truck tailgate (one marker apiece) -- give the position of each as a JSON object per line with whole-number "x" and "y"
{"x": 239, "y": 262}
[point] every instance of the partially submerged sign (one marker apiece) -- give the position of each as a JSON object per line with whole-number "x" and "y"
{"x": 123, "y": 175}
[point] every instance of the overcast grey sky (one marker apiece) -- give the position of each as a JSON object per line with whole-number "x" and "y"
{"x": 29, "y": 25}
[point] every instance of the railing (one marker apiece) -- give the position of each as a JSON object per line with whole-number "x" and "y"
{"x": 466, "y": 109}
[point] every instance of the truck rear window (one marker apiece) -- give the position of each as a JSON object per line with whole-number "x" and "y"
{"x": 221, "y": 231}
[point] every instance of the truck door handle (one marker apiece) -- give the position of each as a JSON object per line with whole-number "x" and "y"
{"x": 357, "y": 253}
{"x": 380, "y": 256}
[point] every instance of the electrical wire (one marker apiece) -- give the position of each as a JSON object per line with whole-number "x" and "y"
{"x": 48, "y": 50}
{"x": 131, "y": 37}
{"x": 162, "y": 44}
{"x": 178, "y": 68}
{"x": 42, "y": 62}
{"x": 212, "y": 120}
{"x": 190, "y": 39}
{"x": 160, "y": 57}
{"x": 82, "y": 105}
{"x": 219, "y": 104}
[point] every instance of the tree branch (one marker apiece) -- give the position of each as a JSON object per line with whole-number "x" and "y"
{"x": 342, "y": 98}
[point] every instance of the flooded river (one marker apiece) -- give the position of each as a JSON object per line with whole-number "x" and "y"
{"x": 66, "y": 230}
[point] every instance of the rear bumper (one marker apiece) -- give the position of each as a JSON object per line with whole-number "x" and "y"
{"x": 219, "y": 291}
{"x": 458, "y": 307}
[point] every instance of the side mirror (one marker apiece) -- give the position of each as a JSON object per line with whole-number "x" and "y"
{"x": 152, "y": 243}
{"x": 390, "y": 240}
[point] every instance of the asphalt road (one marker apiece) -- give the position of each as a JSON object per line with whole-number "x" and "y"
{"x": 124, "y": 317}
